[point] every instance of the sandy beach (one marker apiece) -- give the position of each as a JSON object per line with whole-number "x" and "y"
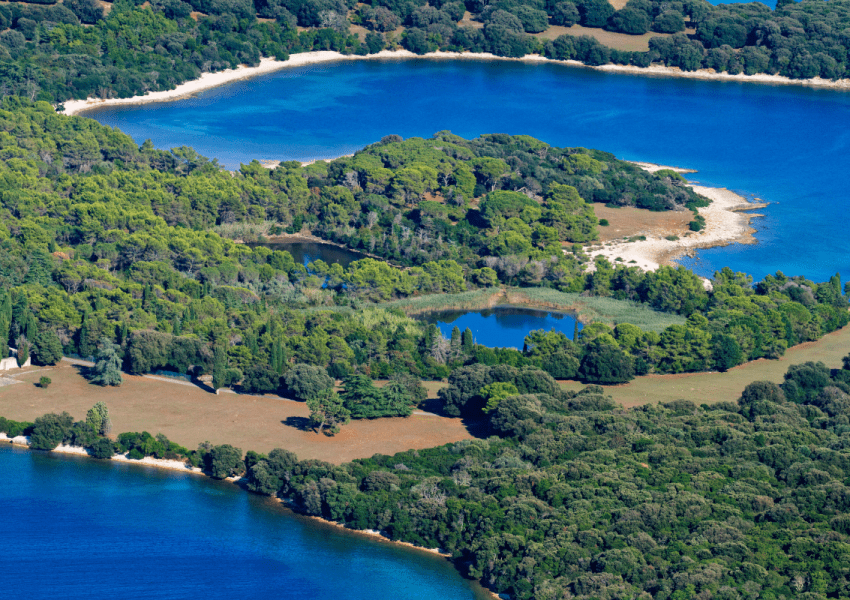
{"x": 267, "y": 65}
{"x": 725, "y": 223}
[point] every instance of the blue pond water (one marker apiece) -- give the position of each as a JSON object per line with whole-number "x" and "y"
{"x": 787, "y": 145}
{"x": 502, "y": 326}
{"x": 76, "y": 528}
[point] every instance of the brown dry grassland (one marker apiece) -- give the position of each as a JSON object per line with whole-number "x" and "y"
{"x": 628, "y": 221}
{"x": 189, "y": 415}
{"x": 707, "y": 388}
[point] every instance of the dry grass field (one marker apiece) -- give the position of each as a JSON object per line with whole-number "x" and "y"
{"x": 189, "y": 415}
{"x": 619, "y": 41}
{"x": 707, "y": 388}
{"x": 628, "y": 221}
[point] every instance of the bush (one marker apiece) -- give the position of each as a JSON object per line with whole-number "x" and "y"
{"x": 15, "y": 428}
{"x": 224, "y": 461}
{"x": 50, "y": 430}
{"x": 43, "y": 382}
{"x": 606, "y": 364}
{"x": 102, "y": 448}
{"x": 307, "y": 381}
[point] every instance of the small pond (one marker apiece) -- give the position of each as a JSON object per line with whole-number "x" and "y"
{"x": 502, "y": 326}
{"x": 307, "y": 252}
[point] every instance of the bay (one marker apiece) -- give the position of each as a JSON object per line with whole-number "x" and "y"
{"x": 786, "y": 145}
{"x": 76, "y": 528}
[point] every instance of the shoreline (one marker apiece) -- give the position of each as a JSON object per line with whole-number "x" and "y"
{"x": 268, "y": 65}
{"x": 148, "y": 461}
{"x": 727, "y": 221}
{"x": 175, "y": 465}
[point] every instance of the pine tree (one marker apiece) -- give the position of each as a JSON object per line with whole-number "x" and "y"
{"x": 467, "y": 341}
{"x": 107, "y": 369}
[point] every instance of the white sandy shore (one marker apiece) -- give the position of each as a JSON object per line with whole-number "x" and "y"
{"x": 724, "y": 224}
{"x": 159, "y": 463}
{"x": 268, "y": 65}
{"x": 663, "y": 71}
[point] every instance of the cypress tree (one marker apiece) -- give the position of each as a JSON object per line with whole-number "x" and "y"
{"x": 219, "y": 366}
{"x": 468, "y": 343}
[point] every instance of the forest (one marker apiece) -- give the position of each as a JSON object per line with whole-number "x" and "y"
{"x": 75, "y": 49}
{"x": 107, "y": 243}
{"x": 571, "y": 496}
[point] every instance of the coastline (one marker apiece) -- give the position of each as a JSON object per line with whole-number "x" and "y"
{"x": 175, "y": 465}
{"x": 727, "y": 221}
{"x": 148, "y": 461}
{"x": 268, "y": 65}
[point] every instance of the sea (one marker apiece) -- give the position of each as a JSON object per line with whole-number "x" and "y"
{"x": 783, "y": 144}
{"x": 78, "y": 528}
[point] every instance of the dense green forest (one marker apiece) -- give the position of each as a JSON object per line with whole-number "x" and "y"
{"x": 104, "y": 242}
{"x": 56, "y": 51}
{"x": 574, "y": 497}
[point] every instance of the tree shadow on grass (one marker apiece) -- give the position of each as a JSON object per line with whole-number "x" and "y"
{"x": 300, "y": 423}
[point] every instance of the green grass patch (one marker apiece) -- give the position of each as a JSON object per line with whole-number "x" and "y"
{"x": 589, "y": 308}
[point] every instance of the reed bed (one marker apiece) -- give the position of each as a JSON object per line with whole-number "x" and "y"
{"x": 588, "y": 308}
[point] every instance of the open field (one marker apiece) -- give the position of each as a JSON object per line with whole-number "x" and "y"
{"x": 618, "y": 41}
{"x": 189, "y": 415}
{"x": 707, "y": 388}
{"x": 628, "y": 221}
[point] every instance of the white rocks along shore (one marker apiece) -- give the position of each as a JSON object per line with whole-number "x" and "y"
{"x": 148, "y": 461}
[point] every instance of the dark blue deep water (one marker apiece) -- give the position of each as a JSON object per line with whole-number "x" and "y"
{"x": 787, "y": 145}
{"x": 76, "y": 528}
{"x": 502, "y": 326}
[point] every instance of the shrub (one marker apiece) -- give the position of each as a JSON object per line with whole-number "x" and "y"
{"x": 102, "y": 448}
{"x": 50, "y": 430}
{"x": 43, "y": 382}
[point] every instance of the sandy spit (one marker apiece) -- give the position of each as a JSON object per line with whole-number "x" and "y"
{"x": 268, "y": 65}
{"x": 724, "y": 224}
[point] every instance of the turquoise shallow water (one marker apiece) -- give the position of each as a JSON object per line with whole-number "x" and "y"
{"x": 76, "y": 528}
{"x": 787, "y": 145}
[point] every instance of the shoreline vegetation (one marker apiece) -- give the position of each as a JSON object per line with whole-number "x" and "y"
{"x": 183, "y": 467}
{"x": 268, "y": 65}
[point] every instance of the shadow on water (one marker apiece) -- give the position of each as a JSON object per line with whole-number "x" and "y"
{"x": 306, "y": 252}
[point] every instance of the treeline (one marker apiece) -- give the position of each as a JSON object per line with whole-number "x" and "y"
{"x": 572, "y": 496}
{"x": 74, "y": 49}
{"x": 103, "y": 239}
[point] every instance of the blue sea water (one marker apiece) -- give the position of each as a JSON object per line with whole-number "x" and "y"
{"x": 502, "y": 326}
{"x": 76, "y": 528}
{"x": 787, "y": 145}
